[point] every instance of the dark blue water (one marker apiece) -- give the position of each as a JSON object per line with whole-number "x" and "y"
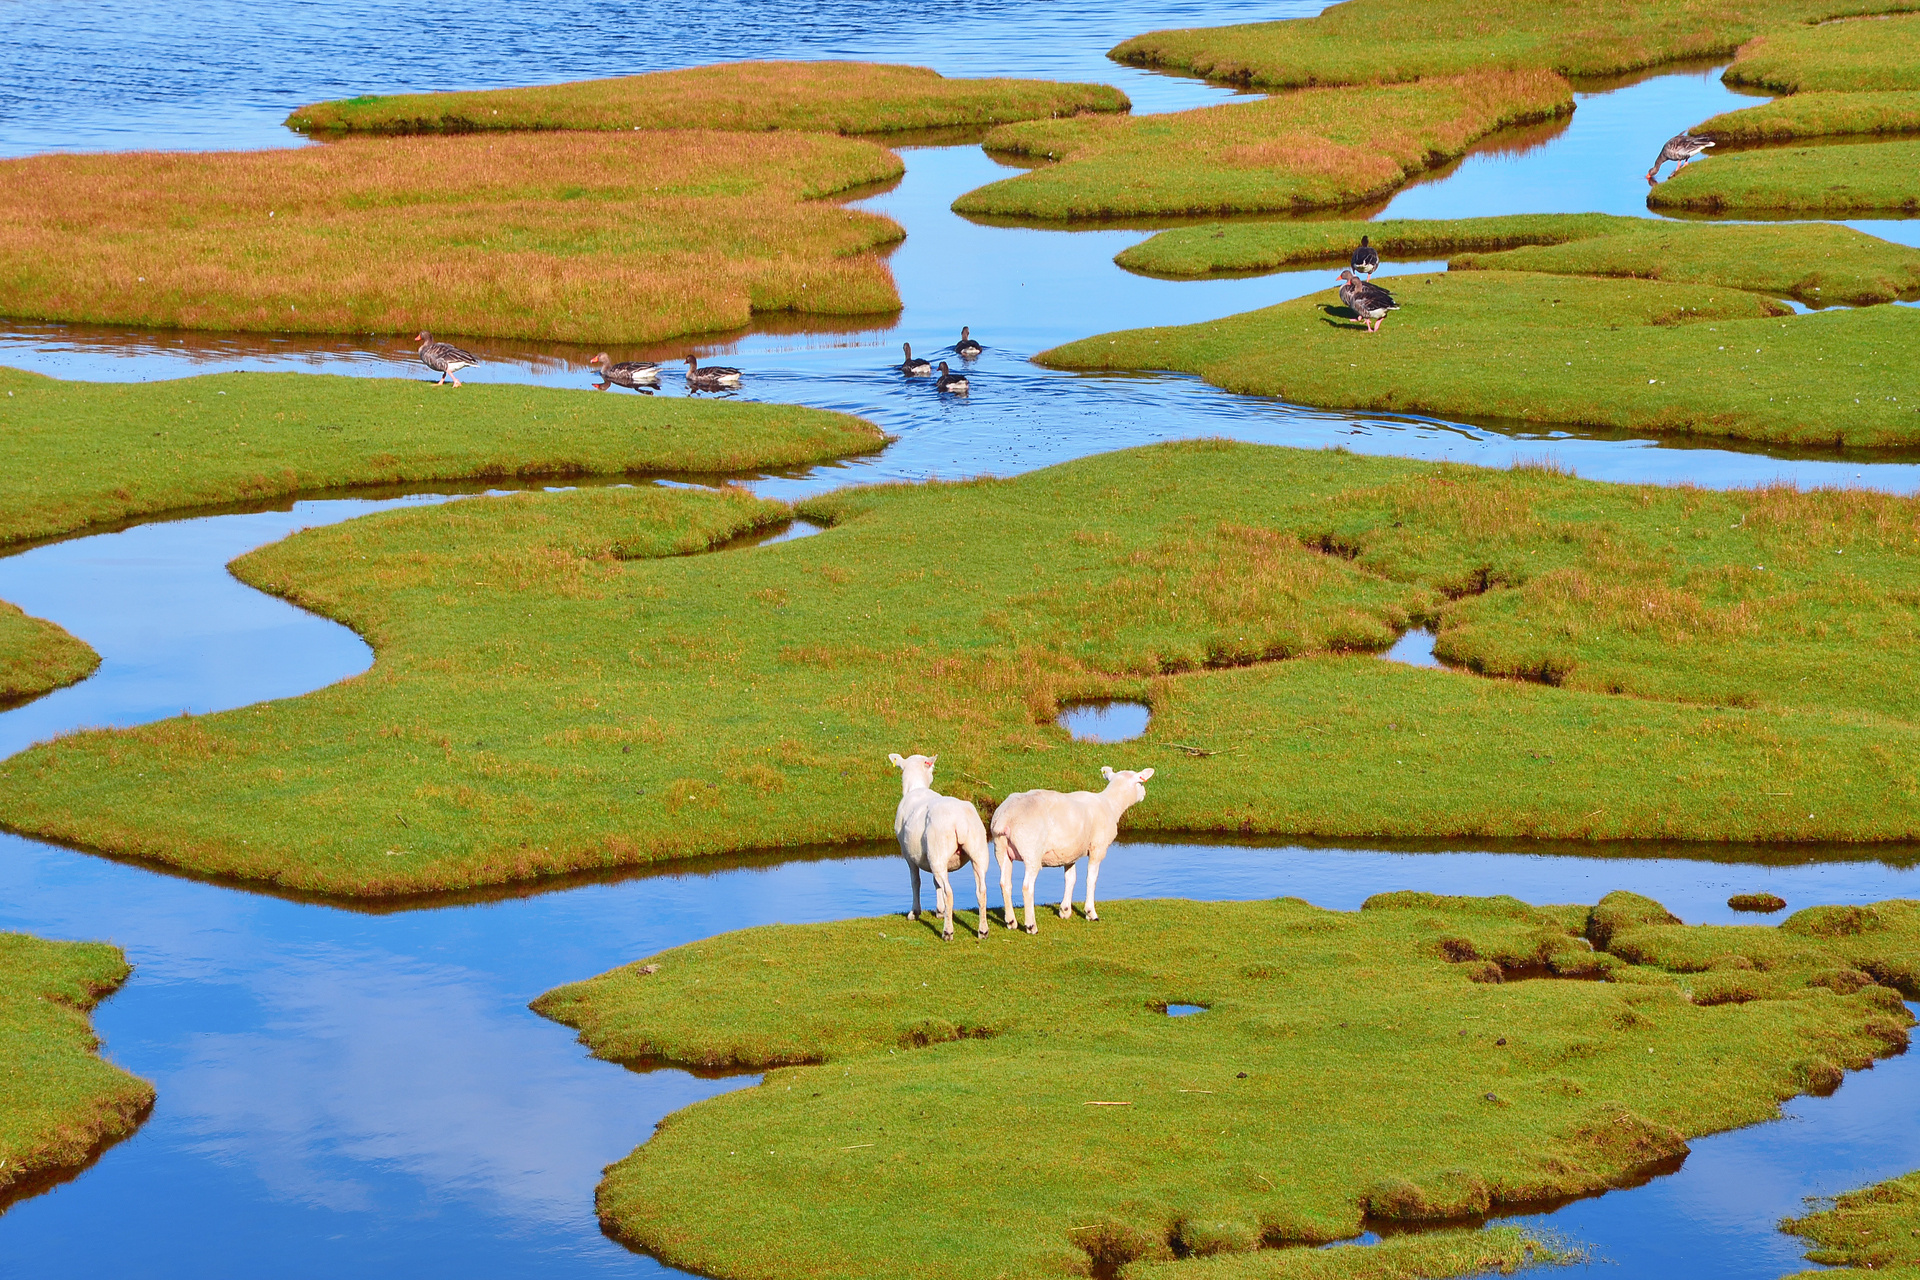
{"x": 357, "y": 1093}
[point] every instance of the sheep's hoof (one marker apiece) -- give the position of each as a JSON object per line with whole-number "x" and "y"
{"x": 947, "y": 936}
{"x": 1093, "y": 915}
{"x": 981, "y": 934}
{"x": 1066, "y": 913}
{"x": 913, "y": 915}
{"x": 1033, "y": 928}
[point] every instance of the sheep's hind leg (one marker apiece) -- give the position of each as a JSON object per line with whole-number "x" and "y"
{"x": 943, "y": 899}
{"x": 914, "y": 871}
{"x": 1066, "y": 902}
{"x": 1093, "y": 874}
{"x": 980, "y": 890}
{"x": 1027, "y": 888}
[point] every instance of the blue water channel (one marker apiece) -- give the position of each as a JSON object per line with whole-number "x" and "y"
{"x": 364, "y": 1092}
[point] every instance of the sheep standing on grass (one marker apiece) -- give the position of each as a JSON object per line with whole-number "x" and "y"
{"x": 937, "y": 833}
{"x": 1048, "y": 829}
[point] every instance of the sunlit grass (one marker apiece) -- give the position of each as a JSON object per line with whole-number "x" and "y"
{"x": 1862, "y": 177}
{"x": 74, "y": 454}
{"x": 1298, "y": 150}
{"x": 1861, "y": 55}
{"x": 36, "y": 656}
{"x": 1874, "y": 1231}
{"x": 1364, "y": 41}
{"x": 819, "y": 97}
{"x": 586, "y": 237}
{"x": 1271, "y": 246}
{"x": 1650, "y": 356}
{"x": 1812, "y": 115}
{"x": 554, "y": 692}
{"x": 58, "y": 1100}
{"x": 1350, "y": 1068}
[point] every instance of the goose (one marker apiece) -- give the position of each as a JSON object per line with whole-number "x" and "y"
{"x": 912, "y": 366}
{"x": 1682, "y": 147}
{"x": 625, "y": 373}
{"x": 712, "y": 377}
{"x": 967, "y": 347}
{"x": 951, "y": 381}
{"x": 443, "y": 358}
{"x": 1366, "y": 259}
{"x": 1369, "y": 301}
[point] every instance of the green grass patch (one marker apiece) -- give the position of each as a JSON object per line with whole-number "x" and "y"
{"x": 75, "y": 454}
{"x": 1635, "y": 355}
{"x": 1364, "y": 41}
{"x": 814, "y": 97}
{"x": 37, "y": 657}
{"x": 59, "y": 1102}
{"x": 1293, "y": 151}
{"x": 1384, "y": 1065}
{"x": 1248, "y": 247}
{"x": 1815, "y": 261}
{"x": 1874, "y": 1231}
{"x": 555, "y": 691}
{"x": 574, "y": 237}
{"x": 1422, "y": 1256}
{"x": 1861, "y": 177}
{"x": 1864, "y": 54}
{"x": 1813, "y": 115}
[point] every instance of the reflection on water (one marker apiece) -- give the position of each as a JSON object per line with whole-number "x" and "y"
{"x": 1105, "y": 721}
{"x": 1415, "y": 648}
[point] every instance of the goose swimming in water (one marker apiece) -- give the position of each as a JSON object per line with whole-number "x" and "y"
{"x": 967, "y": 347}
{"x": 912, "y": 366}
{"x": 1366, "y": 259}
{"x": 951, "y": 381}
{"x": 443, "y": 358}
{"x": 1684, "y": 147}
{"x": 633, "y": 374}
{"x": 1369, "y": 301}
{"x": 711, "y": 378}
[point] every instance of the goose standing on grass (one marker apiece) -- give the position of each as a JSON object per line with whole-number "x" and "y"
{"x": 633, "y": 374}
{"x": 1684, "y": 147}
{"x": 443, "y": 358}
{"x": 951, "y": 381}
{"x": 1366, "y": 259}
{"x": 711, "y": 378}
{"x": 912, "y": 366}
{"x": 1369, "y": 301}
{"x": 967, "y": 348}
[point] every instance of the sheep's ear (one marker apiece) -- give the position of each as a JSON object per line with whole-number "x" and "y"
{"x": 1106, "y": 771}
{"x": 1145, "y": 774}
{"x": 894, "y": 758}
{"x": 930, "y": 760}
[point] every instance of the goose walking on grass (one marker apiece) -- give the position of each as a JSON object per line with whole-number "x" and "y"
{"x": 967, "y": 348}
{"x": 711, "y": 378}
{"x": 633, "y": 374}
{"x": 1366, "y": 259}
{"x": 956, "y": 383}
{"x": 1368, "y": 301}
{"x": 913, "y": 366}
{"x": 1684, "y": 147}
{"x": 443, "y": 358}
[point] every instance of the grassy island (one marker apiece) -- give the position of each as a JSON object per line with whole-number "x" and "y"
{"x": 1858, "y": 178}
{"x": 1384, "y": 41}
{"x": 1062, "y": 1104}
{"x": 754, "y": 97}
{"x": 1862, "y": 55}
{"x": 59, "y": 1102}
{"x": 1255, "y": 247}
{"x": 581, "y": 237}
{"x": 1813, "y": 115}
{"x": 1669, "y": 663}
{"x": 1874, "y": 1231}
{"x": 1293, "y": 151}
{"x": 1630, "y": 354}
{"x": 38, "y": 657}
{"x": 77, "y": 454}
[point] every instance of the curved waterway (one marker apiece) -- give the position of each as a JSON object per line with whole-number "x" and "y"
{"x": 365, "y": 1092}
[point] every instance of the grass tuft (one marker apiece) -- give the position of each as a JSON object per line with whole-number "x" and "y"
{"x": 1293, "y": 151}
{"x": 59, "y": 1102}
{"x": 1219, "y": 1139}
{"x": 1874, "y": 1231}
{"x": 38, "y": 657}
{"x": 754, "y": 97}
{"x": 582, "y": 237}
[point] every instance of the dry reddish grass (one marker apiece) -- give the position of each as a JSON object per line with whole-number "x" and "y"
{"x": 583, "y": 237}
{"x": 1316, "y": 147}
{"x": 820, "y": 97}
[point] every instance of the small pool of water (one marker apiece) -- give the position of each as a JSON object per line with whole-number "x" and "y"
{"x": 1415, "y": 648}
{"x": 1185, "y": 1010}
{"x": 1105, "y": 721}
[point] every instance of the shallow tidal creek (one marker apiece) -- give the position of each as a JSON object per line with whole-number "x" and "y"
{"x": 365, "y": 1093}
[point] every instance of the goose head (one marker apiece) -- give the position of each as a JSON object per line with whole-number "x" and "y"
{"x": 602, "y": 358}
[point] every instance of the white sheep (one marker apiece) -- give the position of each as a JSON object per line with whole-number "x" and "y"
{"x": 1048, "y": 829}
{"x": 937, "y": 833}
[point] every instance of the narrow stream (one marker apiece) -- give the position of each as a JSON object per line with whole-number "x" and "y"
{"x": 364, "y": 1092}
